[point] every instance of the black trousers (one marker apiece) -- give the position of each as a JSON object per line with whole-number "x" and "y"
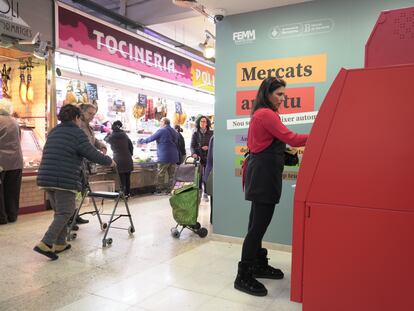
{"x": 260, "y": 217}
{"x": 211, "y": 209}
{"x": 10, "y": 182}
{"x": 126, "y": 182}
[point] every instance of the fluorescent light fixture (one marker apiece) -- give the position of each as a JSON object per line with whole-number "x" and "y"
{"x": 131, "y": 79}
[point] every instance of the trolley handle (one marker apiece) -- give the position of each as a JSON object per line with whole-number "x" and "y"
{"x": 193, "y": 161}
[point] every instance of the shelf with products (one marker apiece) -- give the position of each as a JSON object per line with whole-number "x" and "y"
{"x": 139, "y": 111}
{"x": 143, "y": 154}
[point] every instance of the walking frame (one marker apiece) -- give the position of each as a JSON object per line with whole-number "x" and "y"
{"x": 117, "y": 196}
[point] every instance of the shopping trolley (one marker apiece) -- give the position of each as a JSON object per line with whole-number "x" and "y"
{"x": 185, "y": 199}
{"x": 105, "y": 226}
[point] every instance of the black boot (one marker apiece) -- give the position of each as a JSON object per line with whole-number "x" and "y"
{"x": 262, "y": 269}
{"x": 81, "y": 221}
{"x": 245, "y": 282}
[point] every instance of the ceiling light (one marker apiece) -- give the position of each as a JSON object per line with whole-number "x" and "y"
{"x": 209, "y": 52}
{"x": 208, "y": 49}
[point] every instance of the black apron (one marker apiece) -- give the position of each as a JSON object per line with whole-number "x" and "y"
{"x": 263, "y": 181}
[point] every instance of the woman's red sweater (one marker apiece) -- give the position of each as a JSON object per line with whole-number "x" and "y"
{"x": 265, "y": 126}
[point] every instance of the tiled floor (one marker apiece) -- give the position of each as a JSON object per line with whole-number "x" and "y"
{"x": 149, "y": 271}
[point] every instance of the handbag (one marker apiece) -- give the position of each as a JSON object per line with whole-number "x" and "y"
{"x": 291, "y": 157}
{"x": 244, "y": 167}
{"x": 209, "y": 184}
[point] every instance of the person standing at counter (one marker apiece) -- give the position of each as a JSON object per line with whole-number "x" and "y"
{"x": 181, "y": 145}
{"x": 88, "y": 113}
{"x": 167, "y": 153}
{"x": 123, "y": 150}
{"x": 59, "y": 175}
{"x": 199, "y": 144}
{"x": 11, "y": 166}
{"x": 267, "y": 139}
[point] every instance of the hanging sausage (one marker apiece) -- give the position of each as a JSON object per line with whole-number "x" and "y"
{"x": 5, "y": 78}
{"x": 30, "y": 90}
{"x": 22, "y": 85}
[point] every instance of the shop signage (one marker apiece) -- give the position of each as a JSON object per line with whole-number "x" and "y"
{"x": 83, "y": 34}
{"x": 287, "y": 119}
{"x": 11, "y": 24}
{"x": 142, "y": 100}
{"x": 290, "y": 175}
{"x": 240, "y": 150}
{"x": 238, "y": 172}
{"x": 245, "y": 36}
{"x": 92, "y": 90}
{"x": 314, "y": 27}
{"x": 241, "y": 139}
{"x": 238, "y": 161}
{"x": 235, "y": 124}
{"x": 302, "y": 69}
{"x": 203, "y": 77}
{"x": 296, "y": 100}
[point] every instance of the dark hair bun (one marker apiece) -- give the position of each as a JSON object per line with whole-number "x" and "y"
{"x": 116, "y": 125}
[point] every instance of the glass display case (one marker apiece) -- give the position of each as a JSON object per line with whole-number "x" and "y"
{"x": 143, "y": 154}
{"x": 31, "y": 148}
{"x": 143, "y": 177}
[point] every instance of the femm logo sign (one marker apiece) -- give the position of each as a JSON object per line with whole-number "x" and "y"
{"x": 243, "y": 37}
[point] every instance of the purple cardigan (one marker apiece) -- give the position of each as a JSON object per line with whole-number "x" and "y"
{"x": 209, "y": 165}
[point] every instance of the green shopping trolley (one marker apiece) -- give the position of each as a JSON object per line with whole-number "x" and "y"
{"x": 185, "y": 199}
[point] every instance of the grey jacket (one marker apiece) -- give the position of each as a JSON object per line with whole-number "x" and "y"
{"x": 65, "y": 147}
{"x": 91, "y": 135}
{"x": 11, "y": 157}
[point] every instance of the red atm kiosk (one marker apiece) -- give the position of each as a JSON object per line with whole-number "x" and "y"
{"x": 353, "y": 227}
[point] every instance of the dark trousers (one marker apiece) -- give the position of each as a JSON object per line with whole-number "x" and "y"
{"x": 260, "y": 217}
{"x": 10, "y": 182}
{"x": 126, "y": 182}
{"x": 63, "y": 203}
{"x": 211, "y": 209}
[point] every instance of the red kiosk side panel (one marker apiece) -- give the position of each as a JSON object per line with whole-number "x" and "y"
{"x": 358, "y": 259}
{"x": 309, "y": 165}
{"x": 358, "y": 230}
{"x": 367, "y": 160}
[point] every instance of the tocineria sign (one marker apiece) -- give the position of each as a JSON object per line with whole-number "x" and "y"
{"x": 80, "y": 33}
{"x": 11, "y": 24}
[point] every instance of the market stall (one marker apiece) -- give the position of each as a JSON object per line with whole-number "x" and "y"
{"x": 23, "y": 93}
{"x": 137, "y": 82}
